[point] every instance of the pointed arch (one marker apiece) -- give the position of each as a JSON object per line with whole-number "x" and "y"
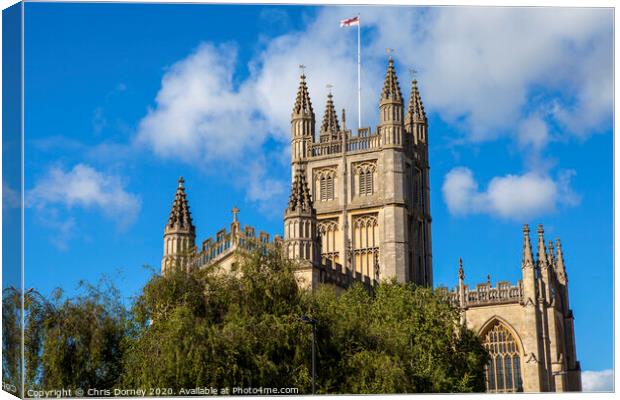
{"x": 504, "y": 370}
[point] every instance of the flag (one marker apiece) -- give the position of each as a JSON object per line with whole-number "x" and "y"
{"x": 350, "y": 22}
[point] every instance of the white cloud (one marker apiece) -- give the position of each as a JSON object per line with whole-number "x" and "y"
{"x": 487, "y": 65}
{"x": 597, "y": 381}
{"x": 510, "y": 196}
{"x": 533, "y": 132}
{"x": 87, "y": 188}
{"x": 199, "y": 114}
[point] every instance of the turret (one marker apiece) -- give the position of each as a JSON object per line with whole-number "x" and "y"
{"x": 528, "y": 268}
{"x": 545, "y": 269}
{"x": 391, "y": 109}
{"x": 560, "y": 267}
{"x": 300, "y": 223}
{"x": 330, "y": 126}
{"x": 416, "y": 123}
{"x": 179, "y": 233}
{"x": 533, "y": 346}
{"x": 302, "y": 123}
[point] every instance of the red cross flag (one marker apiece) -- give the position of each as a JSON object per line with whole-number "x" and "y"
{"x": 350, "y": 22}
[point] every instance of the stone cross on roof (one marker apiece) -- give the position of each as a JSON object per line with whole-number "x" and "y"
{"x": 235, "y": 211}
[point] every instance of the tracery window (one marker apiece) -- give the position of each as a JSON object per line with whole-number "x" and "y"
{"x": 328, "y": 230}
{"x": 366, "y": 244}
{"x": 503, "y": 372}
{"x": 365, "y": 178}
{"x": 325, "y": 183}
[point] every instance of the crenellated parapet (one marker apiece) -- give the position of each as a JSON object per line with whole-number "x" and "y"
{"x": 484, "y": 294}
{"x": 226, "y": 243}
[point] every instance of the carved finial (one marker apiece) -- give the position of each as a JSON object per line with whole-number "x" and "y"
{"x": 551, "y": 253}
{"x": 527, "y": 247}
{"x": 541, "y": 253}
{"x": 389, "y": 52}
{"x": 344, "y": 120}
{"x": 391, "y": 89}
{"x": 461, "y": 270}
{"x": 302, "y": 70}
{"x": 560, "y": 266}
{"x": 330, "y": 116}
{"x": 180, "y": 216}
{"x": 303, "y": 105}
{"x": 235, "y": 211}
{"x": 489, "y": 279}
{"x": 329, "y": 87}
{"x": 300, "y": 198}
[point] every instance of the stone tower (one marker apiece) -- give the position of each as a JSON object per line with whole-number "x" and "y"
{"x": 179, "y": 233}
{"x": 370, "y": 190}
{"x": 300, "y": 232}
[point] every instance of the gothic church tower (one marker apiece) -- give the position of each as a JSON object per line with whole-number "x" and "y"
{"x": 370, "y": 190}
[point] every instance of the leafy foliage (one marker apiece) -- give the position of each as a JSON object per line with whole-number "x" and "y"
{"x": 242, "y": 329}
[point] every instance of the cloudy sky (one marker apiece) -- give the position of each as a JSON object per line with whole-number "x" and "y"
{"x": 121, "y": 99}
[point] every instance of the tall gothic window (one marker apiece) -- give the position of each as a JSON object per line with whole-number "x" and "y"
{"x": 366, "y": 245}
{"x": 365, "y": 178}
{"x": 328, "y": 229}
{"x": 503, "y": 372}
{"x": 325, "y": 182}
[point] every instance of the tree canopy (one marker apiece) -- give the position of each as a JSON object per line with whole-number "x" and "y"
{"x": 219, "y": 330}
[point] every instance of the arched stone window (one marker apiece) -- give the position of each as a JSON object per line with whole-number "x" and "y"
{"x": 328, "y": 231}
{"x": 503, "y": 372}
{"x": 365, "y": 244}
{"x": 365, "y": 178}
{"x": 325, "y": 183}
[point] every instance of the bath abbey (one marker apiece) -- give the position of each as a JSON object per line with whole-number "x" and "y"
{"x": 359, "y": 211}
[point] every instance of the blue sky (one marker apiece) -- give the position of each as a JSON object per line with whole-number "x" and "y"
{"x": 121, "y": 99}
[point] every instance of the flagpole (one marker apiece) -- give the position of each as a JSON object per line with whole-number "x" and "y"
{"x": 359, "y": 74}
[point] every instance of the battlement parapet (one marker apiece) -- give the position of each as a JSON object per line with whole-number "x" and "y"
{"x": 484, "y": 294}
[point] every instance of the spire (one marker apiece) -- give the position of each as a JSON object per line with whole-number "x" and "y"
{"x": 461, "y": 271}
{"x": 415, "y": 112}
{"x": 391, "y": 90}
{"x": 300, "y": 199}
{"x": 528, "y": 258}
{"x": 180, "y": 216}
{"x": 551, "y": 252}
{"x": 330, "y": 118}
{"x": 560, "y": 266}
{"x": 303, "y": 105}
{"x": 541, "y": 253}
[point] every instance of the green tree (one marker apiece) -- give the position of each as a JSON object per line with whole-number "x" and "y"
{"x": 397, "y": 339}
{"x": 208, "y": 328}
{"x": 11, "y": 337}
{"x": 76, "y": 342}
